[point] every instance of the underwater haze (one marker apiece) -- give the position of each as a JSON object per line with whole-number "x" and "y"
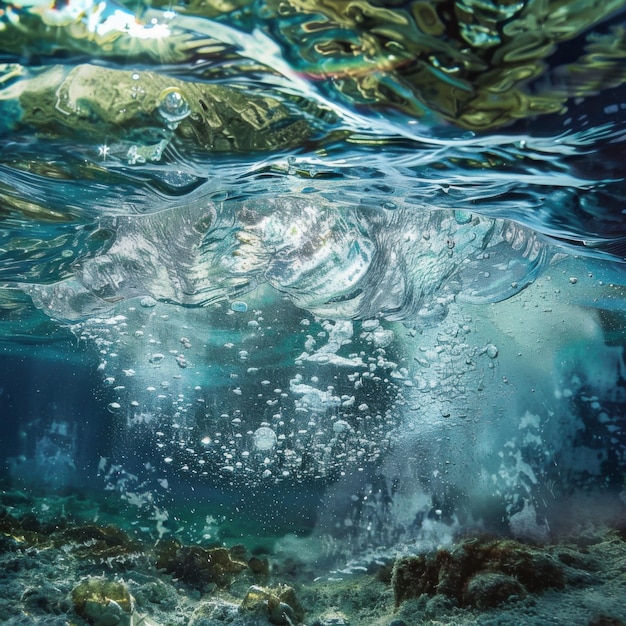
{"x": 312, "y": 312}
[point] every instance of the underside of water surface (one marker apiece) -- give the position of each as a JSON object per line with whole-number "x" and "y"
{"x": 312, "y": 312}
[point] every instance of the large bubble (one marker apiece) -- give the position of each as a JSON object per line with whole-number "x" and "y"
{"x": 264, "y": 439}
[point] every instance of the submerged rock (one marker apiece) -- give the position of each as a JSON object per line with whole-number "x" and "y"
{"x": 45, "y": 599}
{"x": 103, "y": 602}
{"x": 197, "y": 566}
{"x": 216, "y": 612}
{"x": 481, "y": 573}
{"x": 100, "y": 544}
{"x": 279, "y": 605}
{"x": 492, "y": 589}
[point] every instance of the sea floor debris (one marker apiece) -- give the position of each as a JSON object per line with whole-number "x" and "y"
{"x": 91, "y": 575}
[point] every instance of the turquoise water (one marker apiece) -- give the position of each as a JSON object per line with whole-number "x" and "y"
{"x": 344, "y": 272}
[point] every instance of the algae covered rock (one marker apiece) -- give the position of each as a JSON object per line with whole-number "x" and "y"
{"x": 478, "y": 572}
{"x": 103, "y": 602}
{"x": 198, "y": 566}
{"x": 492, "y": 589}
{"x": 100, "y": 544}
{"x": 279, "y": 605}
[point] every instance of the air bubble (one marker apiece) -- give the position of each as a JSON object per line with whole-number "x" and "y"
{"x": 369, "y": 325}
{"x": 341, "y": 426}
{"x": 147, "y": 302}
{"x": 264, "y": 438}
{"x": 173, "y": 108}
{"x": 462, "y": 217}
{"x": 491, "y": 351}
{"x": 239, "y": 306}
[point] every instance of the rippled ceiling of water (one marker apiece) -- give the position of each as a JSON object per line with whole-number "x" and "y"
{"x": 253, "y": 197}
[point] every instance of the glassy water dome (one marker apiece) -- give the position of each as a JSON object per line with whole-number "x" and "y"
{"x": 312, "y": 312}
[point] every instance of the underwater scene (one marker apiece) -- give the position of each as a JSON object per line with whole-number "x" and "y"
{"x": 313, "y": 312}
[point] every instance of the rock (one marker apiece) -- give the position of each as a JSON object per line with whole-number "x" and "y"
{"x": 216, "y": 612}
{"x": 46, "y": 599}
{"x": 103, "y": 602}
{"x": 279, "y": 605}
{"x": 259, "y": 566}
{"x": 99, "y": 544}
{"x": 154, "y": 592}
{"x": 197, "y": 566}
{"x": 491, "y": 589}
{"x": 449, "y": 572}
{"x": 438, "y": 605}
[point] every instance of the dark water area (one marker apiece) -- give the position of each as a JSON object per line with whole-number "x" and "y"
{"x": 312, "y": 312}
{"x": 61, "y": 404}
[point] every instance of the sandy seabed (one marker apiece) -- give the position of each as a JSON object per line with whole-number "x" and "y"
{"x": 62, "y": 571}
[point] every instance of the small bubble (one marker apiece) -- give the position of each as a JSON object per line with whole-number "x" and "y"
{"x": 573, "y": 280}
{"x": 491, "y": 351}
{"x": 147, "y": 302}
{"x": 341, "y": 426}
{"x": 239, "y": 306}
{"x": 462, "y": 217}
{"x": 134, "y": 156}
